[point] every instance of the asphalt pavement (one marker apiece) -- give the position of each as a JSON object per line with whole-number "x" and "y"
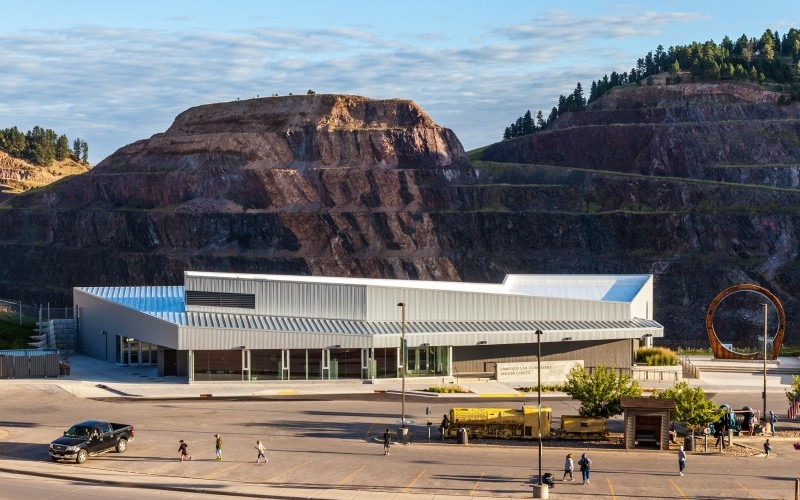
{"x": 461, "y": 472}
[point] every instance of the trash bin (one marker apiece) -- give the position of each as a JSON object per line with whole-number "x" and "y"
{"x": 688, "y": 443}
{"x": 403, "y": 433}
{"x": 461, "y": 436}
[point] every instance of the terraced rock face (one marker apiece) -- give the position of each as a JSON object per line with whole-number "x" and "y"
{"x": 319, "y": 184}
{"x": 697, "y": 184}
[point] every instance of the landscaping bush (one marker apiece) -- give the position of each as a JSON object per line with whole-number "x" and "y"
{"x": 545, "y": 388}
{"x": 446, "y": 389}
{"x": 656, "y": 356}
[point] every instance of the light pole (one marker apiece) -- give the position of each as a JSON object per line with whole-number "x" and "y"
{"x": 539, "y": 395}
{"x": 402, "y": 306}
{"x": 764, "y": 394}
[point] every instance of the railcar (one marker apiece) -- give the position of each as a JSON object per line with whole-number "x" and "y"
{"x": 502, "y": 423}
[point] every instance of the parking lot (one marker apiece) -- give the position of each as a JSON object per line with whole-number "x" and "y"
{"x": 325, "y": 446}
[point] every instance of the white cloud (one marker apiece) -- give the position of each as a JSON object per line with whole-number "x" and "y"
{"x": 112, "y": 86}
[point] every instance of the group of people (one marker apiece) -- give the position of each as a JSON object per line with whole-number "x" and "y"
{"x": 585, "y": 464}
{"x": 183, "y": 449}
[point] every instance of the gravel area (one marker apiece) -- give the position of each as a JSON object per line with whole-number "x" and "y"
{"x": 615, "y": 442}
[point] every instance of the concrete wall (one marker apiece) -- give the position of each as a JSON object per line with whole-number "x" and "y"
{"x": 481, "y": 359}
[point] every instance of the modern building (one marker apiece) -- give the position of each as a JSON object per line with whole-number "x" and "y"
{"x": 221, "y": 326}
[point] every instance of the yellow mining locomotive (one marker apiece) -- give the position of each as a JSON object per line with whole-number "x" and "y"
{"x": 500, "y": 422}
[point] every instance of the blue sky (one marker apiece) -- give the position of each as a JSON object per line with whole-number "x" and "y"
{"x": 112, "y": 73}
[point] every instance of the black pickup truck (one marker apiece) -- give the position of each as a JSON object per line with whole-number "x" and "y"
{"x": 92, "y": 437}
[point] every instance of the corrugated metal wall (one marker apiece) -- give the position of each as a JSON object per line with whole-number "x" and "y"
{"x": 445, "y": 305}
{"x": 378, "y": 303}
{"x": 278, "y": 298}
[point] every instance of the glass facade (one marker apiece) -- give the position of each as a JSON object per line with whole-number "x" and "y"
{"x": 265, "y": 364}
{"x": 318, "y": 364}
{"x": 218, "y": 365}
{"x": 134, "y": 352}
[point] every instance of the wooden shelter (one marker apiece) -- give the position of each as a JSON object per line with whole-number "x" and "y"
{"x": 647, "y": 422}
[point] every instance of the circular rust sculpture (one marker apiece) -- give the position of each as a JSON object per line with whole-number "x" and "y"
{"x": 722, "y": 352}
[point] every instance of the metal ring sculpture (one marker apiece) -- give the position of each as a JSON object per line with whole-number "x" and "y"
{"x": 722, "y": 352}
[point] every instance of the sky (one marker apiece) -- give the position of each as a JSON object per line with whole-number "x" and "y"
{"x": 112, "y": 73}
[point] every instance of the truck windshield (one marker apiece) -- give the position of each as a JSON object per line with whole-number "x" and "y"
{"x": 78, "y": 431}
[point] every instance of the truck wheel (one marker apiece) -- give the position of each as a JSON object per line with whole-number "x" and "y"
{"x": 506, "y": 434}
{"x": 82, "y": 454}
{"x": 54, "y": 459}
{"x": 122, "y": 445}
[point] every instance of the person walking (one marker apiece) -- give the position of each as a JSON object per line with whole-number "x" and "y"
{"x": 261, "y": 449}
{"x": 445, "y": 425}
{"x": 387, "y": 439}
{"x": 218, "y": 446}
{"x": 586, "y": 467}
{"x": 183, "y": 449}
{"x": 773, "y": 419}
{"x": 569, "y": 465}
{"x": 681, "y": 460}
{"x": 767, "y": 448}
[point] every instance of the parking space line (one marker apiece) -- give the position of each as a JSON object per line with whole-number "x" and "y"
{"x": 745, "y": 489}
{"x": 238, "y": 464}
{"x": 414, "y": 481}
{"x": 273, "y": 478}
{"x": 676, "y": 487}
{"x": 611, "y": 488}
{"x": 351, "y": 475}
{"x": 472, "y": 491}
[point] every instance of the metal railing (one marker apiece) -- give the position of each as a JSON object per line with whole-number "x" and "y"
{"x": 30, "y": 315}
{"x": 688, "y": 366}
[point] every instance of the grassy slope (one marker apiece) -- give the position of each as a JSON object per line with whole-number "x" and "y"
{"x": 14, "y": 335}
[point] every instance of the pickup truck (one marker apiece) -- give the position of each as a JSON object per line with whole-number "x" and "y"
{"x": 89, "y": 438}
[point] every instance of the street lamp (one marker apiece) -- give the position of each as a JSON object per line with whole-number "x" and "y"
{"x": 764, "y": 394}
{"x": 539, "y": 395}
{"x": 402, "y": 306}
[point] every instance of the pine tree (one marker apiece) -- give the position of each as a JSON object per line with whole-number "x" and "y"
{"x": 62, "y": 148}
{"x": 76, "y": 149}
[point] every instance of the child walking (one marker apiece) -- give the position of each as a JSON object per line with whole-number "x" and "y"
{"x": 260, "y": 448}
{"x": 183, "y": 449}
{"x": 387, "y": 439}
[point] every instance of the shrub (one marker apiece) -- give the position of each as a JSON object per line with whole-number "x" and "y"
{"x": 446, "y": 389}
{"x": 545, "y": 388}
{"x": 656, "y": 356}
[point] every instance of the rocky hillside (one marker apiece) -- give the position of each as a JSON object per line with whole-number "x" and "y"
{"x": 17, "y": 175}
{"x": 318, "y": 184}
{"x": 697, "y": 184}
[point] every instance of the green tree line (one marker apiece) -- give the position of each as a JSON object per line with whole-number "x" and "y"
{"x": 770, "y": 58}
{"x": 42, "y": 146}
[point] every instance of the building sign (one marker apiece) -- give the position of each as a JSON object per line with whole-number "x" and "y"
{"x": 553, "y": 372}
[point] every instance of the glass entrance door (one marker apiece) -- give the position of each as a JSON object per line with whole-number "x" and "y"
{"x": 134, "y": 352}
